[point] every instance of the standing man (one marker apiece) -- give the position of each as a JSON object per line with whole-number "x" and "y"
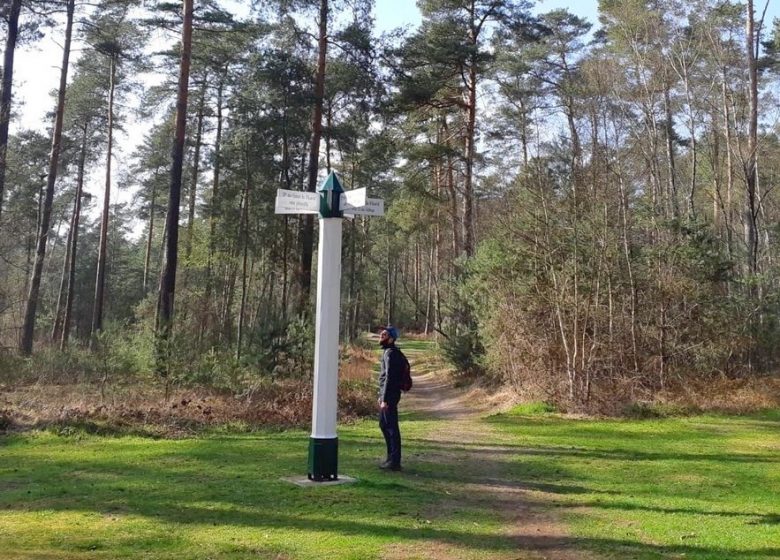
{"x": 389, "y": 395}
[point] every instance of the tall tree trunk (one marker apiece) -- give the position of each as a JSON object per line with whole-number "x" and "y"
{"x": 524, "y": 132}
{"x": 286, "y": 160}
{"x": 28, "y": 330}
{"x": 694, "y": 155}
{"x": 457, "y": 244}
{"x": 228, "y": 295}
{"x": 100, "y": 280}
{"x": 285, "y": 258}
{"x": 244, "y": 258}
{"x": 53, "y": 244}
{"x": 74, "y": 242}
{"x": 671, "y": 170}
{"x": 576, "y": 144}
{"x": 307, "y": 231}
{"x": 728, "y": 215}
{"x": 468, "y": 179}
{"x": 217, "y": 167}
{"x": 229, "y": 283}
{"x": 437, "y": 243}
{"x": 717, "y": 173}
{"x": 751, "y": 165}
{"x": 195, "y": 169}
{"x": 286, "y": 177}
{"x": 168, "y": 279}
{"x": 328, "y": 126}
{"x": 429, "y": 297}
{"x": 160, "y": 262}
{"x": 350, "y": 327}
{"x": 625, "y": 233}
{"x": 210, "y": 276}
{"x": 7, "y": 88}
{"x": 651, "y": 157}
{"x": 417, "y": 280}
{"x": 39, "y": 215}
{"x": 150, "y": 235}
{"x": 59, "y": 311}
{"x": 56, "y": 329}
{"x": 360, "y": 257}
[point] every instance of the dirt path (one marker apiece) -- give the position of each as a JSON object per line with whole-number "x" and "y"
{"x": 482, "y": 451}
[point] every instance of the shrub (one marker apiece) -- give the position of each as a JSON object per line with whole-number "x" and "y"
{"x": 216, "y": 369}
{"x": 608, "y": 324}
{"x": 281, "y": 348}
{"x": 464, "y": 351}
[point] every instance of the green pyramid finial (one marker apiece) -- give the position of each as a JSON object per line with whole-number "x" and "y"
{"x": 331, "y": 183}
{"x": 330, "y": 196}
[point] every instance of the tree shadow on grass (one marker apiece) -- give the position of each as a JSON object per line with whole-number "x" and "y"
{"x": 199, "y": 485}
{"x": 433, "y": 460}
{"x": 553, "y": 451}
{"x": 751, "y": 518}
{"x": 238, "y": 478}
{"x": 553, "y": 477}
{"x": 625, "y": 549}
{"x": 592, "y": 453}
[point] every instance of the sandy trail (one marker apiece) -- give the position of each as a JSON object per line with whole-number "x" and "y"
{"x": 525, "y": 505}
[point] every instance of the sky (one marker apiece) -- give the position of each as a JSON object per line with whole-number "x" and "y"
{"x": 396, "y": 13}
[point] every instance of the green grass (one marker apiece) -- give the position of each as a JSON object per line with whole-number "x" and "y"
{"x": 414, "y": 345}
{"x": 529, "y": 409}
{"x": 705, "y": 487}
{"x": 700, "y": 488}
{"x": 87, "y": 496}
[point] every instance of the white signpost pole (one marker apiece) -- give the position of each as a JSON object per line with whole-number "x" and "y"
{"x": 324, "y": 443}
{"x": 331, "y": 204}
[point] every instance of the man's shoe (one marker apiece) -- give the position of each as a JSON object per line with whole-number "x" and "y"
{"x": 385, "y": 465}
{"x": 389, "y": 466}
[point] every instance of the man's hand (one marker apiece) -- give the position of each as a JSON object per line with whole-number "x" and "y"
{"x": 382, "y": 405}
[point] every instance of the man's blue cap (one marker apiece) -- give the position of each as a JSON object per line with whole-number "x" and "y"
{"x": 392, "y": 332}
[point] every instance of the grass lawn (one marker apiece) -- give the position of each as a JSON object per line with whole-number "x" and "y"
{"x": 705, "y": 487}
{"x": 87, "y": 496}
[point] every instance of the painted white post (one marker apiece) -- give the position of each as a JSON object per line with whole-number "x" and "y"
{"x": 324, "y": 441}
{"x": 326, "y": 343}
{"x": 331, "y": 203}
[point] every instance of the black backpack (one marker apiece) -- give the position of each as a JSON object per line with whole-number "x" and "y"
{"x": 406, "y": 373}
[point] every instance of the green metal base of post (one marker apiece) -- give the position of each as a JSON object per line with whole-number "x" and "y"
{"x": 323, "y": 459}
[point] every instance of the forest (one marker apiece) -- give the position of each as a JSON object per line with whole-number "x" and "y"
{"x": 581, "y": 212}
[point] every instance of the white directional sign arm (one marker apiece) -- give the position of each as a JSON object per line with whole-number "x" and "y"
{"x": 297, "y": 202}
{"x": 373, "y": 207}
{"x": 353, "y": 199}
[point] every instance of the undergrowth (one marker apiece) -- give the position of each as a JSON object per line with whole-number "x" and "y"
{"x": 108, "y": 392}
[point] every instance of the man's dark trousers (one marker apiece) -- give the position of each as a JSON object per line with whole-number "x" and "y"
{"x": 388, "y": 422}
